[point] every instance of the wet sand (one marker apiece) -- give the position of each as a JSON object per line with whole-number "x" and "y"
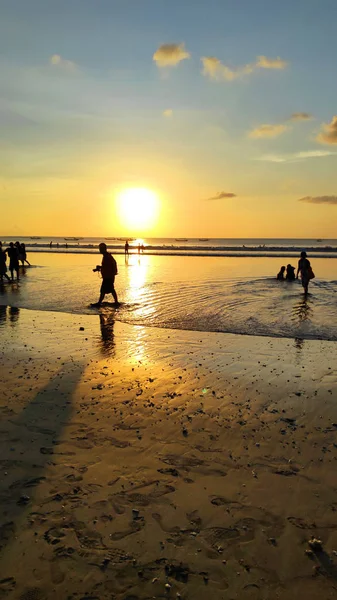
{"x": 145, "y": 463}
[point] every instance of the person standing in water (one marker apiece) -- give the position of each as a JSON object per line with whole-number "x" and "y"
{"x": 13, "y": 255}
{"x": 305, "y": 269}
{"x": 23, "y": 255}
{"x": 3, "y": 266}
{"x": 108, "y": 271}
{"x": 126, "y": 248}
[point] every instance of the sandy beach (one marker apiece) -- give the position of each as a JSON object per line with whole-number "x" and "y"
{"x": 145, "y": 463}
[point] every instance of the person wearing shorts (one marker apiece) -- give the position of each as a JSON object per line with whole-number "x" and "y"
{"x": 108, "y": 271}
{"x": 13, "y": 255}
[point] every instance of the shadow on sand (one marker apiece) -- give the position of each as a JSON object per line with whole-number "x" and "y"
{"x": 28, "y": 443}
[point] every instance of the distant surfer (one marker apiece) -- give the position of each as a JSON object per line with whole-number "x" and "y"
{"x": 108, "y": 270}
{"x": 126, "y": 248}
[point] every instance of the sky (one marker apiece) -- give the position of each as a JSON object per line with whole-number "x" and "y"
{"x": 225, "y": 110}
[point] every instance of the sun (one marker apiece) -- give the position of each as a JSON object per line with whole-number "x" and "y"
{"x": 137, "y": 208}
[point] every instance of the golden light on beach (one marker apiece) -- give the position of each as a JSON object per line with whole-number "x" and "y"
{"x": 137, "y": 207}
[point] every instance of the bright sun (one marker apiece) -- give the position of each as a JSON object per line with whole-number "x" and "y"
{"x": 137, "y": 208}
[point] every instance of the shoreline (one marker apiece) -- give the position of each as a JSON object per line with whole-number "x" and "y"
{"x": 136, "y": 458}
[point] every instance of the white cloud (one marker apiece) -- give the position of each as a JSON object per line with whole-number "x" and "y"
{"x": 218, "y": 71}
{"x": 319, "y": 199}
{"x": 268, "y": 131}
{"x": 296, "y": 156}
{"x": 169, "y": 55}
{"x": 270, "y": 63}
{"x": 329, "y": 133}
{"x": 57, "y": 61}
{"x": 168, "y": 113}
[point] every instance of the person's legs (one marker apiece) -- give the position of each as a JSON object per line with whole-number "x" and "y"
{"x": 114, "y": 294}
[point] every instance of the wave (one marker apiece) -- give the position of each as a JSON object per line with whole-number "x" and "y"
{"x": 217, "y": 251}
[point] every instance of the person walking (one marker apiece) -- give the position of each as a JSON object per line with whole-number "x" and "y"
{"x": 304, "y": 267}
{"x": 108, "y": 270}
{"x": 23, "y": 255}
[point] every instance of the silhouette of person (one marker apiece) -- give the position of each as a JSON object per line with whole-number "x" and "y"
{"x": 23, "y": 255}
{"x": 304, "y": 268}
{"x": 280, "y": 275}
{"x": 13, "y": 256}
{"x": 290, "y": 274}
{"x": 108, "y": 271}
{"x": 50, "y": 245}
{"x": 3, "y": 266}
{"x": 126, "y": 247}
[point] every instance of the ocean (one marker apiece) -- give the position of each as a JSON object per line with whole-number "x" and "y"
{"x": 185, "y": 246}
{"x": 211, "y": 285}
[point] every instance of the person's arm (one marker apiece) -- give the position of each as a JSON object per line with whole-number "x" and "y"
{"x": 298, "y": 269}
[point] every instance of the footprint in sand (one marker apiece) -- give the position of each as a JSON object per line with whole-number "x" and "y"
{"x": 7, "y": 585}
{"x": 56, "y": 574}
{"x": 7, "y": 531}
{"x": 54, "y": 535}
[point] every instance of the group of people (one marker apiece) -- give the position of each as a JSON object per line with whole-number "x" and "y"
{"x": 127, "y": 246}
{"x": 304, "y": 268}
{"x": 16, "y": 254}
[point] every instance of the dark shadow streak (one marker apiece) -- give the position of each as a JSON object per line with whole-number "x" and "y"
{"x": 28, "y": 444}
{"x": 327, "y": 564}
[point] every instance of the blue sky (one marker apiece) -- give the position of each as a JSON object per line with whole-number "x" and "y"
{"x": 78, "y": 127}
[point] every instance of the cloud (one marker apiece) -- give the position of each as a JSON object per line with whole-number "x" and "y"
{"x": 329, "y": 133}
{"x": 268, "y": 131}
{"x": 301, "y": 116}
{"x": 319, "y": 199}
{"x": 57, "y": 61}
{"x": 215, "y": 69}
{"x": 168, "y": 113}
{"x": 270, "y": 63}
{"x": 296, "y": 156}
{"x": 170, "y": 55}
{"x": 222, "y": 195}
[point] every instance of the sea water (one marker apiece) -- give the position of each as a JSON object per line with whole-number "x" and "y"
{"x": 222, "y": 294}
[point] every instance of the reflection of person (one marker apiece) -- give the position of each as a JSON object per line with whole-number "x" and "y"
{"x": 304, "y": 268}
{"x": 290, "y": 275}
{"x": 126, "y": 247}
{"x": 108, "y": 271}
{"x": 13, "y": 255}
{"x": 280, "y": 275}
{"x": 107, "y": 323}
